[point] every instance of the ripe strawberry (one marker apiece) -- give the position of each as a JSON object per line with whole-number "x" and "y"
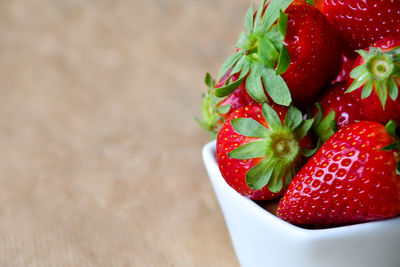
{"x": 362, "y": 22}
{"x": 354, "y": 177}
{"x": 239, "y": 98}
{"x": 259, "y": 149}
{"x": 315, "y": 53}
{"x": 377, "y": 75}
{"x": 284, "y": 55}
{"x": 346, "y": 106}
{"x": 347, "y": 67}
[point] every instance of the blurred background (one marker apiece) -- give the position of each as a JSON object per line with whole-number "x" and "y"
{"x": 100, "y": 156}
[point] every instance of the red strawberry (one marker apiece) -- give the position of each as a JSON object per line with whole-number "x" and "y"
{"x": 344, "y": 73}
{"x": 335, "y": 110}
{"x": 377, "y": 79}
{"x": 239, "y": 98}
{"x": 362, "y": 22}
{"x": 345, "y": 106}
{"x": 350, "y": 179}
{"x": 314, "y": 52}
{"x": 258, "y": 149}
{"x": 284, "y": 55}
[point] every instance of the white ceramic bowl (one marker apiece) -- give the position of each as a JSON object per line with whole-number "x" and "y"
{"x": 262, "y": 239}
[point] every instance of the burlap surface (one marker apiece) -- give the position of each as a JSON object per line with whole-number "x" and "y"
{"x": 99, "y": 152}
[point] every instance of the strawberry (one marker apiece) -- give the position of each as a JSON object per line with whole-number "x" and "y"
{"x": 362, "y": 22}
{"x": 259, "y": 149}
{"x": 335, "y": 110}
{"x": 344, "y": 73}
{"x": 239, "y": 98}
{"x": 376, "y": 80}
{"x": 354, "y": 177}
{"x": 346, "y": 106}
{"x": 289, "y": 50}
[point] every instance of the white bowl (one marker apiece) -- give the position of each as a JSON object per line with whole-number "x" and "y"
{"x": 262, "y": 239}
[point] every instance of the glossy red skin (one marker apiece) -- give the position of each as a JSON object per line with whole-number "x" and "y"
{"x": 239, "y": 98}
{"x": 371, "y": 106}
{"x": 234, "y": 170}
{"x": 315, "y": 52}
{"x": 346, "y": 106}
{"x": 362, "y": 22}
{"x": 347, "y": 67}
{"x": 348, "y": 181}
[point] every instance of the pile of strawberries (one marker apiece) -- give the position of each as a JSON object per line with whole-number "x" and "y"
{"x": 306, "y": 110}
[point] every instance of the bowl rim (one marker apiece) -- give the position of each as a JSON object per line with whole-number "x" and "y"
{"x": 209, "y": 158}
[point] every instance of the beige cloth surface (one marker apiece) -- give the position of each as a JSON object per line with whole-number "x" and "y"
{"x": 100, "y": 160}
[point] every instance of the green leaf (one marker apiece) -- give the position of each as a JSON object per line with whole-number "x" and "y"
{"x": 229, "y": 62}
{"x": 282, "y": 23}
{"x": 311, "y": 2}
{"x": 303, "y": 129}
{"x": 293, "y": 118}
{"x": 257, "y": 20}
{"x": 381, "y": 92}
{"x": 398, "y": 168}
{"x": 367, "y": 90}
{"x": 306, "y": 152}
{"x": 202, "y": 124}
{"x": 256, "y": 149}
{"x": 208, "y": 112}
{"x": 239, "y": 65}
{"x": 253, "y": 83}
{"x": 228, "y": 89}
{"x": 249, "y": 127}
{"x": 248, "y": 21}
{"x": 290, "y": 173}
{"x": 242, "y": 40}
{"x": 272, "y": 13}
{"x": 209, "y": 81}
{"x": 267, "y": 52}
{"x": 364, "y": 53}
{"x": 318, "y": 116}
{"x": 358, "y": 82}
{"x": 276, "y": 87}
{"x": 327, "y": 127}
{"x": 357, "y": 71}
{"x": 393, "y": 146}
{"x": 275, "y": 36}
{"x": 259, "y": 176}
{"x": 223, "y": 109}
{"x": 284, "y": 61}
{"x": 245, "y": 69}
{"x": 272, "y": 118}
{"x": 393, "y": 89}
{"x": 275, "y": 184}
{"x": 391, "y": 128}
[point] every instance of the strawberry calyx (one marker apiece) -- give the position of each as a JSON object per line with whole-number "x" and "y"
{"x": 261, "y": 55}
{"x": 324, "y": 128}
{"x": 210, "y": 111}
{"x": 278, "y": 145}
{"x": 379, "y": 71}
{"x": 394, "y": 130}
